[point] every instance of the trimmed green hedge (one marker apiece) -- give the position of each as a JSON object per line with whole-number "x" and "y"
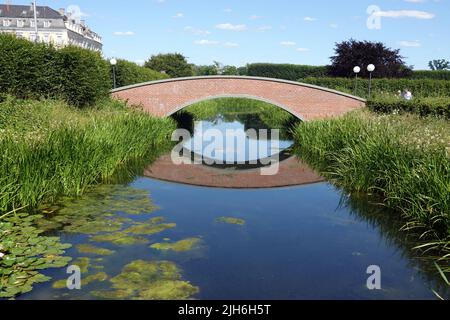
{"x": 128, "y": 73}
{"x": 285, "y": 71}
{"x": 28, "y": 70}
{"x": 430, "y": 74}
{"x": 439, "y": 107}
{"x": 385, "y": 87}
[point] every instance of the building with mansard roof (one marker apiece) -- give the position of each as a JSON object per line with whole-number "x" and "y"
{"x": 53, "y": 26}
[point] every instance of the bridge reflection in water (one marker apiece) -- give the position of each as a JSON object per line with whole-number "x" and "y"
{"x": 292, "y": 172}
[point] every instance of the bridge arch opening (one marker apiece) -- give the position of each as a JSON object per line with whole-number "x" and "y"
{"x": 248, "y": 97}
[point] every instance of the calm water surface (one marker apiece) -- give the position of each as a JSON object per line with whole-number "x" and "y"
{"x": 301, "y": 242}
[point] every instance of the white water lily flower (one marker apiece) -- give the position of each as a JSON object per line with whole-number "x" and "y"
{"x": 1, "y": 255}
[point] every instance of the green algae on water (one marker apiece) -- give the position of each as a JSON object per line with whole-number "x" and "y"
{"x": 120, "y": 238}
{"x": 179, "y": 246}
{"x": 100, "y": 277}
{"x": 90, "y": 249}
{"x": 230, "y": 220}
{"x": 153, "y": 226}
{"x": 83, "y": 263}
{"x": 149, "y": 280}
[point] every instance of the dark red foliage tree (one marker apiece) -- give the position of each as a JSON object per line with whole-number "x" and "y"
{"x": 388, "y": 62}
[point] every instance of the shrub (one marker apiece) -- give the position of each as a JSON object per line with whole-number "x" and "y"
{"x": 430, "y": 74}
{"x": 419, "y": 88}
{"x": 285, "y": 71}
{"x": 423, "y": 106}
{"x": 30, "y": 70}
{"x": 83, "y": 76}
{"x": 128, "y": 73}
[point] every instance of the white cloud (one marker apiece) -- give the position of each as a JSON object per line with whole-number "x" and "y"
{"x": 410, "y": 44}
{"x": 206, "y": 42}
{"x": 302, "y": 49}
{"x": 124, "y": 33}
{"x": 231, "y": 27}
{"x": 74, "y": 12}
{"x": 255, "y": 17}
{"x": 227, "y": 10}
{"x": 415, "y": 1}
{"x": 309, "y": 19}
{"x": 405, "y": 14}
{"x": 196, "y": 31}
{"x": 334, "y": 26}
{"x": 179, "y": 15}
{"x": 230, "y": 45}
{"x": 288, "y": 43}
{"x": 264, "y": 28}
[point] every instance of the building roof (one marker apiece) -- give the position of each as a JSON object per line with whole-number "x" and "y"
{"x": 21, "y": 11}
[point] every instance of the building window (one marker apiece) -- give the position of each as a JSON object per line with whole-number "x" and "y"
{"x": 19, "y": 35}
{"x": 20, "y": 23}
{"x": 32, "y": 24}
{"x": 47, "y": 23}
{"x": 33, "y": 37}
{"x": 6, "y": 22}
{"x": 46, "y": 38}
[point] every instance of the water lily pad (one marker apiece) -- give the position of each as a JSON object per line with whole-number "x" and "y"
{"x": 179, "y": 246}
{"x": 90, "y": 249}
{"x": 83, "y": 263}
{"x": 25, "y": 252}
{"x": 231, "y": 220}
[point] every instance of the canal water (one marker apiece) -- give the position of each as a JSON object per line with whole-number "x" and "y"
{"x": 220, "y": 234}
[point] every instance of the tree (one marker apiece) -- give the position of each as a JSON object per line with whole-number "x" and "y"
{"x": 439, "y": 65}
{"x": 230, "y": 71}
{"x": 173, "y": 64}
{"x": 205, "y": 71}
{"x": 389, "y": 63}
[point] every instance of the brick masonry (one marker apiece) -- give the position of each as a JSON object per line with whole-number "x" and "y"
{"x": 307, "y": 102}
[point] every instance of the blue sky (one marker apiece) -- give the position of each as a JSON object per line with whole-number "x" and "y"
{"x": 237, "y": 32}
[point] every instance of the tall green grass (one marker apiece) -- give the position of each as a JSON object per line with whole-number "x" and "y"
{"x": 404, "y": 160}
{"x": 50, "y": 149}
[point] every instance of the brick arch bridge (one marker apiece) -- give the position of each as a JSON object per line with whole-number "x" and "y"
{"x": 306, "y": 102}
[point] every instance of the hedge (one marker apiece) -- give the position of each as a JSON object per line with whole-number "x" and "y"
{"x": 128, "y": 73}
{"x": 430, "y": 74}
{"x": 385, "y": 87}
{"x": 439, "y": 107}
{"x": 28, "y": 70}
{"x": 285, "y": 71}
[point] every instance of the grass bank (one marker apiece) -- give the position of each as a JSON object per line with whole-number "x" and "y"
{"x": 404, "y": 160}
{"x": 50, "y": 149}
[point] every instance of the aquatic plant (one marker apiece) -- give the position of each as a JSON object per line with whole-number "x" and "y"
{"x": 179, "y": 246}
{"x": 90, "y": 249}
{"x": 231, "y": 220}
{"x": 152, "y": 226}
{"x": 119, "y": 238}
{"x": 101, "y": 277}
{"x": 24, "y": 252}
{"x": 50, "y": 149}
{"x": 149, "y": 280}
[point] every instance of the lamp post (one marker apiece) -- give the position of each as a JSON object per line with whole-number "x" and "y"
{"x": 35, "y": 22}
{"x": 370, "y": 68}
{"x": 113, "y": 62}
{"x": 356, "y": 70}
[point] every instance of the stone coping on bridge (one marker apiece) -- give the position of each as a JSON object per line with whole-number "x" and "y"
{"x": 297, "y": 83}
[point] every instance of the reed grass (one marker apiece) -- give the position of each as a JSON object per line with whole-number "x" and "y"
{"x": 404, "y": 160}
{"x": 49, "y": 149}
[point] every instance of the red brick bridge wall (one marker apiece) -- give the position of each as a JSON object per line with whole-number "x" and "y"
{"x": 307, "y": 102}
